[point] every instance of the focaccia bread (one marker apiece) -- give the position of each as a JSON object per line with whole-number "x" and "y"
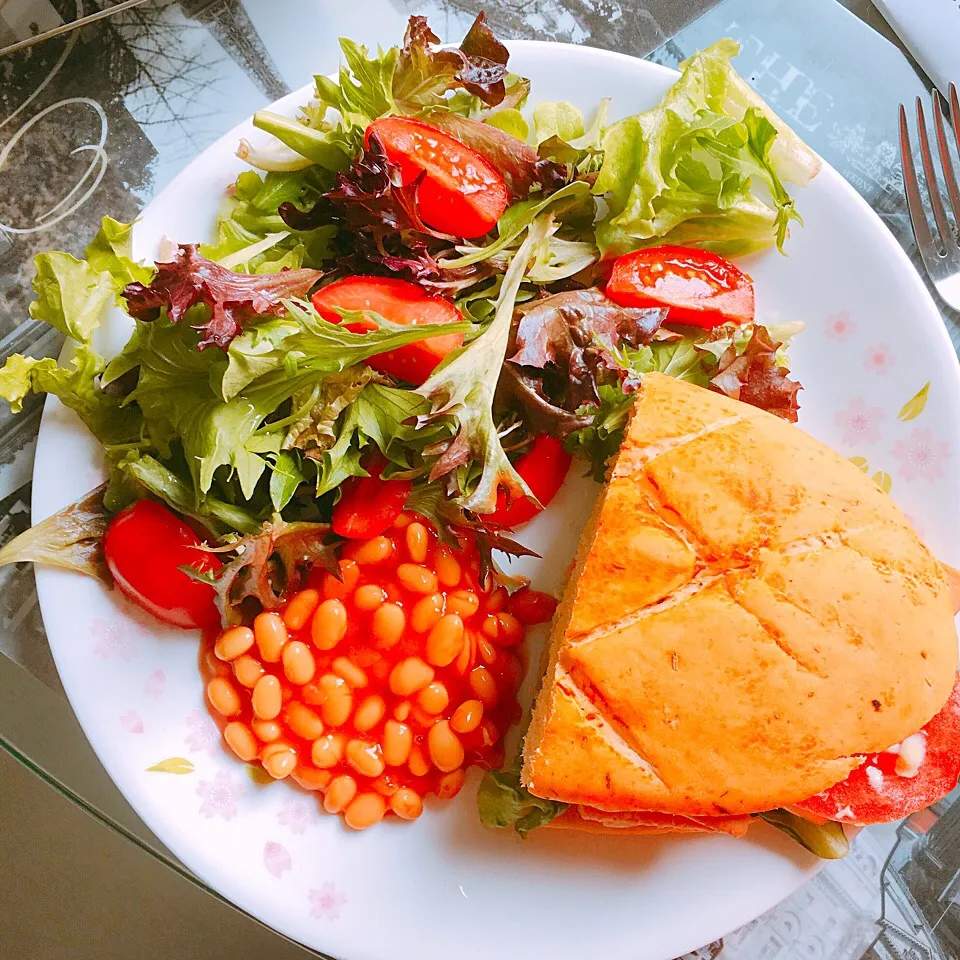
{"x": 748, "y": 613}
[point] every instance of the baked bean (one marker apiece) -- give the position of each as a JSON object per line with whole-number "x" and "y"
{"x": 310, "y": 778}
{"x": 484, "y": 686}
{"x": 369, "y": 713}
{"x": 299, "y": 665}
{"x": 267, "y": 698}
{"x": 427, "y": 612}
{"x": 327, "y": 751}
{"x": 490, "y": 627}
{"x": 464, "y": 603}
{"x": 349, "y": 671}
{"x": 489, "y": 733}
{"x": 404, "y": 520}
{"x": 402, "y": 710}
{"x": 397, "y": 741}
{"x": 466, "y": 718}
{"x": 233, "y": 642}
{"x": 446, "y": 750}
{"x": 433, "y": 698}
{"x": 386, "y": 785}
{"x": 241, "y": 741}
{"x": 496, "y": 600}
{"x": 406, "y": 804}
{"x": 448, "y": 570}
{"x": 369, "y": 596}
{"x": 278, "y": 759}
{"x": 337, "y": 702}
{"x": 417, "y": 579}
{"x": 300, "y": 609}
{"x": 511, "y": 629}
{"x": 247, "y": 670}
{"x": 304, "y": 721}
{"x": 389, "y": 622}
{"x": 224, "y": 698}
{"x": 364, "y": 758}
{"x": 266, "y": 730}
{"x": 329, "y": 624}
{"x": 418, "y": 764}
{"x": 340, "y": 792}
{"x": 487, "y": 651}
{"x": 334, "y": 589}
{"x": 445, "y": 641}
{"x": 409, "y": 676}
{"x": 271, "y": 634}
{"x": 374, "y": 550}
{"x": 420, "y": 718}
{"x": 417, "y": 540}
{"x": 467, "y": 653}
{"x": 451, "y": 784}
{"x": 365, "y": 810}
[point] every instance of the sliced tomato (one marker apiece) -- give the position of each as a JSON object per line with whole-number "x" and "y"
{"x": 400, "y": 302}
{"x": 144, "y": 546}
{"x": 544, "y": 467}
{"x": 368, "y": 505}
{"x": 698, "y": 288}
{"x": 461, "y": 193}
{"x": 895, "y": 796}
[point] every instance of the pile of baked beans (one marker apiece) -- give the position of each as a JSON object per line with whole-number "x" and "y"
{"x": 383, "y": 686}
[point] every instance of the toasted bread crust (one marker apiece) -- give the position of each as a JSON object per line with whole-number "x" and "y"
{"x": 750, "y": 614}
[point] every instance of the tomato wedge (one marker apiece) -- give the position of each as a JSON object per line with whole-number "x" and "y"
{"x": 699, "y": 288}
{"x": 368, "y": 505}
{"x": 894, "y": 796}
{"x": 400, "y": 302}
{"x": 461, "y": 193}
{"x": 544, "y": 467}
{"x": 144, "y": 546}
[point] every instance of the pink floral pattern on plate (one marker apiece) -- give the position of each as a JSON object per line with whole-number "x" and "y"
{"x": 860, "y": 422}
{"x": 879, "y": 358}
{"x": 131, "y": 721}
{"x": 112, "y": 640}
{"x": 921, "y": 456}
{"x": 326, "y": 902}
{"x": 840, "y": 327}
{"x": 219, "y": 796}
{"x": 203, "y": 734}
{"x": 155, "y": 684}
{"x": 297, "y": 814}
{"x": 276, "y": 858}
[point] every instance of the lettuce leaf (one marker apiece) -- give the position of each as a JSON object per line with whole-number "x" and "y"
{"x": 826, "y": 840}
{"x": 464, "y": 388}
{"x": 503, "y": 802}
{"x": 687, "y": 172}
{"x": 71, "y": 539}
{"x": 72, "y": 297}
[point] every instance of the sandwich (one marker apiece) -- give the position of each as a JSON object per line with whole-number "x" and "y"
{"x": 751, "y": 630}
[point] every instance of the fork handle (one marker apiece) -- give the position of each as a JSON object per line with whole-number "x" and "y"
{"x": 930, "y": 30}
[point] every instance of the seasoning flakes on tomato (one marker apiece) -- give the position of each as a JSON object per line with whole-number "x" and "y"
{"x": 383, "y": 686}
{"x": 698, "y": 288}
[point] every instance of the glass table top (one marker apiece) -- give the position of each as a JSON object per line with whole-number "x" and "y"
{"x": 97, "y": 120}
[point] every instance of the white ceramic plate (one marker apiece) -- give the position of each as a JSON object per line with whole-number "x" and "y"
{"x": 445, "y": 886}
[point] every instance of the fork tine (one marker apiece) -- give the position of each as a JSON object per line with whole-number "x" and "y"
{"x": 933, "y": 187}
{"x": 949, "y": 177}
{"x": 921, "y": 229}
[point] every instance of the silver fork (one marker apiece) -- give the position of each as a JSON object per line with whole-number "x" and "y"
{"x": 940, "y": 253}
